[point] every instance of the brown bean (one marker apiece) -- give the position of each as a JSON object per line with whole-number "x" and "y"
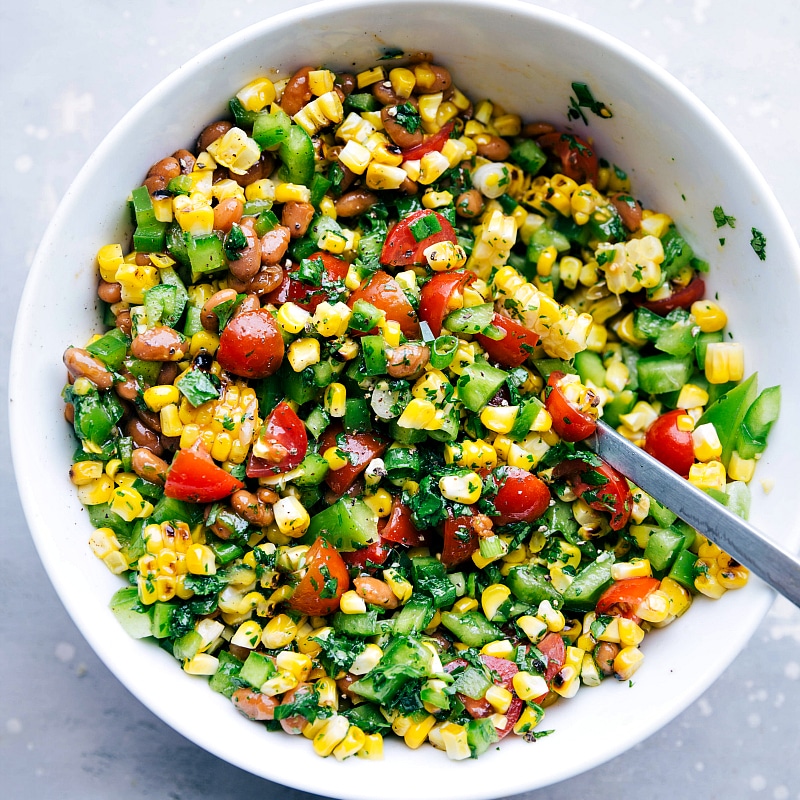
{"x": 226, "y": 212}
{"x": 167, "y": 168}
{"x": 109, "y": 292}
{"x": 274, "y": 245}
{"x": 604, "y": 655}
{"x": 267, "y": 495}
{"x": 250, "y": 302}
{"x": 263, "y": 168}
{"x": 249, "y": 261}
{"x": 148, "y": 466}
{"x": 211, "y": 133}
{"x": 441, "y": 80}
{"x": 155, "y": 184}
{"x": 407, "y": 360}
{"x": 375, "y": 592}
{"x": 355, "y": 202}
{"x": 534, "y": 129}
{"x": 629, "y": 210}
{"x": 82, "y": 364}
{"x": 344, "y": 683}
{"x": 69, "y": 413}
{"x": 382, "y": 91}
{"x": 249, "y": 507}
{"x": 495, "y": 148}
{"x": 398, "y": 133}
{"x": 253, "y": 704}
{"x": 150, "y": 418}
{"x": 297, "y": 217}
{"x": 266, "y": 280}
{"x": 408, "y": 186}
{"x": 143, "y": 260}
{"x": 159, "y": 344}
{"x": 297, "y": 722}
{"x": 167, "y": 374}
{"x": 170, "y": 443}
{"x": 347, "y": 82}
{"x": 297, "y": 92}
{"x": 123, "y": 322}
{"x": 128, "y": 388}
{"x": 469, "y": 204}
{"x": 143, "y": 437}
{"x": 208, "y": 314}
{"x": 186, "y": 160}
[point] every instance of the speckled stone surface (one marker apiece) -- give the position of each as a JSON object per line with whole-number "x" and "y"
{"x": 68, "y": 729}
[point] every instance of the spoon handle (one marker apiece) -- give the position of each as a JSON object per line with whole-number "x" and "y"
{"x": 730, "y": 532}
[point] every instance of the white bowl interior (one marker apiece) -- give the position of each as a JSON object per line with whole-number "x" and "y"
{"x": 682, "y": 162}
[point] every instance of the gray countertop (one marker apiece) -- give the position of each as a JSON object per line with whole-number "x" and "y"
{"x": 68, "y": 729}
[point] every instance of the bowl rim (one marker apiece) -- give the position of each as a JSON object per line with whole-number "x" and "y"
{"x": 195, "y": 65}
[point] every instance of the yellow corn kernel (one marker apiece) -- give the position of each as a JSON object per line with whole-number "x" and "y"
{"x": 235, "y": 150}
{"x": 724, "y": 362}
{"x": 630, "y": 633}
{"x": 103, "y": 541}
{"x": 532, "y": 627}
{"x": 432, "y": 199}
{"x": 248, "y": 635}
{"x": 709, "y": 316}
{"x": 157, "y": 397}
{"x": 382, "y": 176}
{"x": 372, "y": 748}
{"x": 292, "y": 318}
{"x": 499, "y": 698}
{"x": 417, "y": 732}
{"x": 528, "y": 686}
{"x": 201, "y": 664}
{"x": 679, "y": 598}
{"x": 380, "y": 502}
{"x": 706, "y": 443}
{"x": 455, "y": 151}
{"x": 135, "y": 280}
{"x": 655, "y": 607}
{"x": 257, "y": 94}
{"x": 640, "y": 417}
{"x": 200, "y": 560}
{"x": 432, "y": 166}
{"x": 355, "y": 157}
{"x": 82, "y": 473}
{"x": 732, "y": 577}
{"x": 710, "y": 475}
{"x": 493, "y": 597}
{"x": 127, "y": 502}
{"x": 336, "y": 458}
{"x": 553, "y": 618}
{"x": 203, "y": 341}
{"x": 171, "y": 424}
{"x": 444, "y": 256}
{"x": 627, "y": 661}
{"x": 109, "y": 259}
{"x": 391, "y": 331}
{"x": 369, "y": 76}
{"x": 291, "y": 516}
{"x": 352, "y": 603}
{"x": 303, "y": 353}
{"x": 280, "y": 631}
{"x": 530, "y": 717}
{"x": 635, "y": 568}
{"x": 465, "y": 488}
{"x": 500, "y": 419}
{"x": 366, "y": 660}
{"x": 502, "y": 648}
{"x": 655, "y": 224}
{"x": 334, "y": 399}
{"x": 617, "y": 374}
{"x": 351, "y": 744}
{"x": 401, "y": 588}
{"x": 417, "y": 414}
{"x": 298, "y": 664}
{"x": 741, "y": 469}
{"x": 464, "y": 604}
{"x": 709, "y": 586}
{"x": 625, "y": 332}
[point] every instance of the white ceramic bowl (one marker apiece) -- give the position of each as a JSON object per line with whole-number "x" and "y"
{"x": 681, "y": 160}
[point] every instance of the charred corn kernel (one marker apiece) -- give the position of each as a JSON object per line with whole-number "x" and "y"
{"x": 366, "y": 660}
{"x": 567, "y": 682}
{"x": 200, "y": 560}
{"x": 417, "y": 414}
{"x": 417, "y": 733}
{"x": 334, "y": 399}
{"x": 235, "y": 150}
{"x": 432, "y": 166}
{"x": 692, "y": 396}
{"x": 499, "y": 419}
{"x": 706, "y": 443}
{"x": 617, "y": 375}
{"x": 298, "y": 664}
{"x": 194, "y": 215}
{"x": 502, "y": 648}
{"x": 228, "y": 188}
{"x": 724, "y": 362}
{"x": 640, "y": 417}
{"x": 732, "y": 577}
{"x": 292, "y": 318}
{"x": 103, "y": 541}
{"x": 257, "y": 94}
{"x": 655, "y": 607}
{"x": 553, "y": 618}
{"x": 135, "y": 280}
{"x": 109, "y": 259}
{"x": 82, "y": 473}
{"x": 532, "y": 627}
{"x": 465, "y": 488}
{"x": 741, "y": 469}
{"x": 709, "y": 316}
{"x": 280, "y": 631}
{"x": 248, "y": 634}
{"x": 499, "y": 698}
{"x": 171, "y": 424}
{"x": 203, "y": 341}
{"x": 352, "y": 603}
{"x": 382, "y": 176}
{"x": 291, "y": 516}
{"x": 355, "y": 157}
{"x": 627, "y": 661}
{"x": 528, "y": 686}
{"x": 336, "y": 458}
{"x": 679, "y": 597}
{"x": 303, "y": 353}
{"x": 710, "y": 475}
{"x": 635, "y": 568}
{"x": 709, "y": 586}
{"x": 493, "y": 597}
{"x": 380, "y": 502}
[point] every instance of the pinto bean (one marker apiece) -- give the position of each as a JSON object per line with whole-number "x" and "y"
{"x": 441, "y": 79}
{"x": 211, "y": 133}
{"x": 347, "y": 82}
{"x": 398, "y": 133}
{"x": 208, "y": 314}
{"x": 69, "y": 413}
{"x": 296, "y": 723}
{"x": 82, "y": 364}
{"x": 263, "y": 168}
{"x": 250, "y": 302}
{"x": 254, "y": 705}
{"x": 109, "y": 292}
{"x": 148, "y": 466}
{"x": 186, "y": 161}
{"x": 375, "y": 592}
{"x": 167, "y": 374}
{"x": 343, "y": 685}
{"x": 249, "y": 507}
{"x": 495, "y": 148}
{"x": 155, "y": 184}
{"x": 407, "y": 360}
{"x": 149, "y": 418}
{"x": 167, "y": 168}
{"x": 264, "y": 281}
{"x": 249, "y": 261}
{"x": 297, "y": 217}
{"x": 604, "y": 656}
{"x": 123, "y": 322}
{"x": 297, "y": 92}
{"x": 534, "y": 129}
{"x": 159, "y": 344}
{"x": 143, "y": 437}
{"x": 382, "y": 91}
{"x": 143, "y": 260}
{"x": 629, "y": 210}
{"x": 409, "y": 187}
{"x": 128, "y": 388}
{"x": 355, "y": 202}
{"x": 469, "y": 204}
{"x": 226, "y": 212}
{"x": 274, "y": 245}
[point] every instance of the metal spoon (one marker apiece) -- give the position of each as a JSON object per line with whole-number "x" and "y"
{"x": 730, "y": 532}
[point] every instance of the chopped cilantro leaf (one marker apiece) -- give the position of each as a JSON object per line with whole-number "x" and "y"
{"x": 408, "y": 117}
{"x": 722, "y": 219}
{"x": 235, "y": 242}
{"x": 759, "y": 243}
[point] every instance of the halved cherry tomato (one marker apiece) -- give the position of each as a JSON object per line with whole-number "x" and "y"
{"x": 522, "y": 497}
{"x": 195, "y": 478}
{"x": 569, "y": 422}
{"x": 441, "y": 295}
{"x": 286, "y": 436}
{"x": 682, "y": 298}
{"x": 386, "y": 294}
{"x": 514, "y": 348}
{"x": 553, "y": 647}
{"x": 578, "y": 158}
{"x": 673, "y": 447}
{"x": 602, "y": 487}
{"x": 304, "y": 295}
{"x": 324, "y": 583}
{"x": 401, "y": 248}
{"x": 361, "y": 448}
{"x": 376, "y": 553}
{"x": 435, "y": 142}
{"x": 460, "y": 540}
{"x": 251, "y": 345}
{"x": 625, "y": 596}
{"x": 398, "y": 527}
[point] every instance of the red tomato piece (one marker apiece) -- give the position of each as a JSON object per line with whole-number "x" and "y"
{"x": 304, "y": 295}
{"x": 569, "y": 422}
{"x": 673, "y": 447}
{"x": 324, "y": 583}
{"x": 460, "y": 540}
{"x": 441, "y": 295}
{"x": 251, "y": 345}
{"x": 602, "y": 487}
{"x": 435, "y": 142}
{"x": 624, "y": 597}
{"x": 386, "y": 294}
{"x": 578, "y": 158}
{"x": 286, "y": 437}
{"x": 401, "y": 248}
{"x": 514, "y": 348}
{"x": 194, "y": 477}
{"x": 522, "y": 497}
{"x": 376, "y": 553}
{"x": 682, "y": 298}
{"x": 399, "y": 528}
{"x": 361, "y": 448}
